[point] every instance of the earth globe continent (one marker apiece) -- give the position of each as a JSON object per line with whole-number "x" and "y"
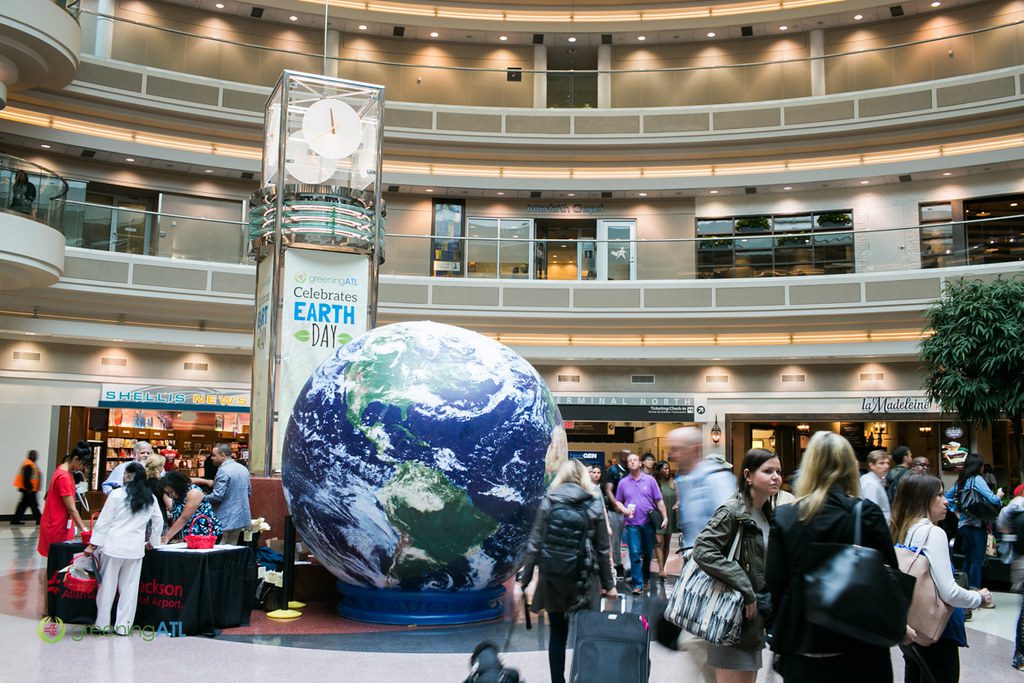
{"x": 416, "y": 456}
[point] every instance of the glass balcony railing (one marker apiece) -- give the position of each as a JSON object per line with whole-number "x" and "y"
{"x": 132, "y": 231}
{"x": 514, "y": 255}
{"x": 31, "y": 191}
{"x": 641, "y": 78}
{"x": 72, "y": 7}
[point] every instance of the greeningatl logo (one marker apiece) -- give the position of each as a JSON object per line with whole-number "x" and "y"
{"x": 51, "y": 630}
{"x": 300, "y": 278}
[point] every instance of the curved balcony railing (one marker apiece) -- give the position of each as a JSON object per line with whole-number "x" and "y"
{"x": 32, "y": 191}
{"x": 976, "y": 51}
{"x": 514, "y": 252}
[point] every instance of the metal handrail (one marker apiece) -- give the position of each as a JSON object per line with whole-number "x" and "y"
{"x": 680, "y": 69}
{"x": 666, "y": 240}
{"x": 72, "y": 7}
{"x": 25, "y": 164}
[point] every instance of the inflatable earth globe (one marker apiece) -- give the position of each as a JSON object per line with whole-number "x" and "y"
{"x": 416, "y": 456}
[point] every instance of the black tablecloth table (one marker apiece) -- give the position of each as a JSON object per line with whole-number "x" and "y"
{"x": 202, "y": 590}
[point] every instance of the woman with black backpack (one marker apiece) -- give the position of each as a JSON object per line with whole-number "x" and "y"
{"x": 976, "y": 506}
{"x": 569, "y": 545}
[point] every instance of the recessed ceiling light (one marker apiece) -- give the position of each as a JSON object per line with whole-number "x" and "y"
{"x": 936, "y": 3}
{"x": 45, "y": 146}
{"x": 130, "y": 159}
{"x": 787, "y": 187}
{"x": 783, "y": 28}
{"x": 947, "y": 173}
{"x": 118, "y": 340}
{"x": 864, "y": 182}
{"x": 713, "y": 192}
{"x": 501, "y": 194}
{"x": 643, "y": 194}
{"x": 293, "y": 18}
{"x": 219, "y": 5}
{"x": 433, "y": 34}
{"x": 572, "y": 39}
{"x": 209, "y": 170}
{"x": 858, "y": 17}
{"x": 1013, "y": 204}
{"x": 503, "y": 38}
{"x": 429, "y": 189}
{"x": 711, "y": 34}
{"x": 641, "y": 38}
{"x": 571, "y": 194}
{"x": 362, "y": 27}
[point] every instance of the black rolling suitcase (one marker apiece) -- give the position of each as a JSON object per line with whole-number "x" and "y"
{"x": 610, "y": 646}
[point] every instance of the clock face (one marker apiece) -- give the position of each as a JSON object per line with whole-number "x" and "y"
{"x": 305, "y": 164}
{"x": 332, "y": 129}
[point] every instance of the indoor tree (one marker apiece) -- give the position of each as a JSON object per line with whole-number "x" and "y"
{"x": 974, "y": 358}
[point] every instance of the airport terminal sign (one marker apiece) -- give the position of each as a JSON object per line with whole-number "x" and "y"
{"x": 663, "y": 408}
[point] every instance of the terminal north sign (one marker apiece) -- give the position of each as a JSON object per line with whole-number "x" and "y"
{"x": 896, "y": 404}
{"x": 638, "y": 408}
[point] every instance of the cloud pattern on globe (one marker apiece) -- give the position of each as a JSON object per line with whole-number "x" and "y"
{"x": 416, "y": 457}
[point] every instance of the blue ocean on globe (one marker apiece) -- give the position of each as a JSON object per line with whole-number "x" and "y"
{"x": 416, "y": 456}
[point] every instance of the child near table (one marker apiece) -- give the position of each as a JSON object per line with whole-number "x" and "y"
{"x": 130, "y": 515}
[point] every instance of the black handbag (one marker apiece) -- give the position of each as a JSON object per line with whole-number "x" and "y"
{"x": 974, "y": 503}
{"x": 655, "y": 519}
{"x": 853, "y": 592}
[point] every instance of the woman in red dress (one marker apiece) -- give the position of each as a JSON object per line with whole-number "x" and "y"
{"x": 60, "y": 509}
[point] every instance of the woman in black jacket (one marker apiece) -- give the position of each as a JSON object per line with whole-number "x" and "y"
{"x": 823, "y": 512}
{"x": 571, "y": 487}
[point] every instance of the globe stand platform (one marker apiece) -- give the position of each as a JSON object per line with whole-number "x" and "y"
{"x": 420, "y": 608}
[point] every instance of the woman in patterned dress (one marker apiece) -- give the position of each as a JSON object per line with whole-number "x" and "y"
{"x": 186, "y": 502}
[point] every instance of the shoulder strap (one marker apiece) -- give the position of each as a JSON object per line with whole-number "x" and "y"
{"x": 734, "y": 550}
{"x": 856, "y": 521}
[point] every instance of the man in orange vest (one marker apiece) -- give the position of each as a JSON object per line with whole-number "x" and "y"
{"x": 27, "y": 481}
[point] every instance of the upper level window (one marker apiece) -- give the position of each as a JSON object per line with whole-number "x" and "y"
{"x": 775, "y": 245}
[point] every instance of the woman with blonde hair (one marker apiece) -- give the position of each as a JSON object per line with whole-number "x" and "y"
{"x": 919, "y": 504}
{"x": 571, "y": 516}
{"x": 827, "y": 492}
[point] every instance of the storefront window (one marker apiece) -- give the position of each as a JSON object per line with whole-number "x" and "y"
{"x": 766, "y": 245}
{"x": 514, "y": 256}
{"x": 482, "y": 248}
{"x": 446, "y": 254}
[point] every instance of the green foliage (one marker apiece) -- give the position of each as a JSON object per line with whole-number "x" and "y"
{"x": 975, "y": 358}
{"x": 753, "y": 224}
{"x": 833, "y": 219}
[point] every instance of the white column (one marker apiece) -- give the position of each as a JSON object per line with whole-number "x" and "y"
{"x": 817, "y": 45}
{"x": 104, "y": 28}
{"x": 333, "y": 50}
{"x": 604, "y": 78}
{"x": 9, "y": 74}
{"x": 540, "y": 80}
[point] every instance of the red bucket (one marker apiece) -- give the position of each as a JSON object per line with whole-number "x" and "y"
{"x": 198, "y": 542}
{"x": 81, "y": 585}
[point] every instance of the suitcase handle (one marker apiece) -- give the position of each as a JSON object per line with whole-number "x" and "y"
{"x": 622, "y": 605}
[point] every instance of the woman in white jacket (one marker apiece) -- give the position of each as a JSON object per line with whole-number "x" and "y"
{"x": 920, "y": 502}
{"x": 129, "y": 515}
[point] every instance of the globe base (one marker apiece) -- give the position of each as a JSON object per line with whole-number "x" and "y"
{"x": 426, "y": 608}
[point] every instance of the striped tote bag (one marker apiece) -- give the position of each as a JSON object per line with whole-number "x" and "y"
{"x": 706, "y": 607}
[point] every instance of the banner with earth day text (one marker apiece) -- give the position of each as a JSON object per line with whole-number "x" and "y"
{"x": 325, "y": 305}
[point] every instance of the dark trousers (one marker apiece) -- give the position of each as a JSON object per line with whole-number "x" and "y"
{"x": 1018, "y": 651}
{"x": 28, "y": 502}
{"x": 942, "y": 659}
{"x": 558, "y": 624}
{"x": 870, "y": 664}
{"x": 972, "y": 542}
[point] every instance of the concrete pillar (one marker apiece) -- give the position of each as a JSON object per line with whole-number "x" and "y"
{"x": 333, "y": 49}
{"x": 9, "y": 74}
{"x": 604, "y": 78}
{"x": 817, "y": 46}
{"x": 104, "y": 28}
{"x": 540, "y": 79}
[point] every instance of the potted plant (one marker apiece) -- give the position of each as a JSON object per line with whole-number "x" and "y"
{"x": 834, "y": 219}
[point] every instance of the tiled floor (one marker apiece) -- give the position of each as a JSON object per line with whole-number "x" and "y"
{"x": 321, "y": 645}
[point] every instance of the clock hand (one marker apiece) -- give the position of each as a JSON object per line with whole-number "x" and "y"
{"x": 332, "y": 121}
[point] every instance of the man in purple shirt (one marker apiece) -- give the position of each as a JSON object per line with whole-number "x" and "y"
{"x": 635, "y": 497}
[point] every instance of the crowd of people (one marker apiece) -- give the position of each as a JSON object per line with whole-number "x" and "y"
{"x": 146, "y": 506}
{"x": 756, "y": 538}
